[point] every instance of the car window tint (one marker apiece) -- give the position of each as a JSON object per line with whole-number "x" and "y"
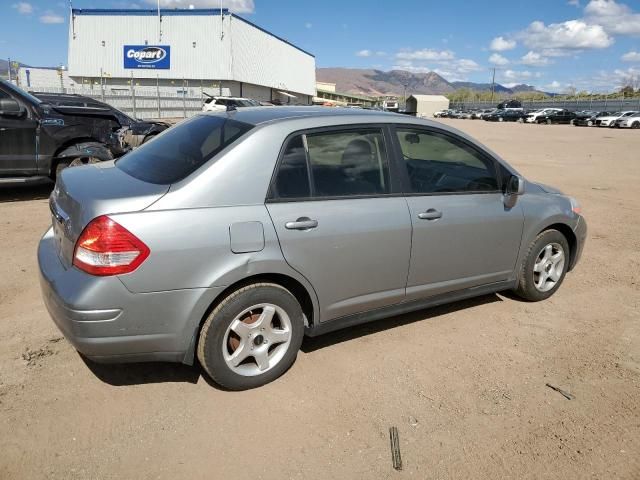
{"x": 292, "y": 180}
{"x": 438, "y": 163}
{"x": 182, "y": 149}
{"x": 347, "y": 163}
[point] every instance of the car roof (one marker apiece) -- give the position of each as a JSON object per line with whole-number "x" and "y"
{"x": 261, "y": 115}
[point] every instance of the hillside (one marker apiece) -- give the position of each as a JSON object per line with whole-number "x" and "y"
{"x": 377, "y": 82}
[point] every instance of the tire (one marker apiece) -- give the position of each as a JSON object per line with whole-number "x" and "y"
{"x": 249, "y": 309}
{"x": 549, "y": 121}
{"x": 80, "y": 161}
{"x": 531, "y": 286}
{"x": 572, "y": 123}
{"x": 635, "y": 125}
{"x": 521, "y": 120}
{"x": 500, "y": 119}
{"x": 589, "y": 123}
{"x": 60, "y": 166}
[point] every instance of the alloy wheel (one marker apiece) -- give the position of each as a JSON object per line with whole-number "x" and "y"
{"x": 257, "y": 339}
{"x": 548, "y": 267}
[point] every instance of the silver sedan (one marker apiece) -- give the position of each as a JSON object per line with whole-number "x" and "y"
{"x": 232, "y": 235}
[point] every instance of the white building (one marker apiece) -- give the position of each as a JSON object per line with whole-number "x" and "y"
{"x": 425, "y": 105}
{"x": 208, "y": 50}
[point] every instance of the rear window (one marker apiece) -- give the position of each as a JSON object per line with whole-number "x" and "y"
{"x": 181, "y": 150}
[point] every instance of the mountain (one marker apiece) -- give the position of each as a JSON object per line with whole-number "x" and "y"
{"x": 377, "y": 82}
{"x": 481, "y": 87}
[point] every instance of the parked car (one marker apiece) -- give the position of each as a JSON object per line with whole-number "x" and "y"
{"x": 174, "y": 251}
{"x": 610, "y": 121}
{"x": 630, "y": 121}
{"x": 477, "y": 115}
{"x": 38, "y": 140}
{"x": 589, "y": 121}
{"x": 506, "y": 116}
{"x": 532, "y": 117}
{"x": 135, "y": 132}
{"x": 440, "y": 113}
{"x": 488, "y": 112}
{"x": 510, "y": 104}
{"x": 222, "y": 104}
{"x": 560, "y": 117}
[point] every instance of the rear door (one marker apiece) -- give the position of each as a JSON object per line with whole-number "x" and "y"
{"x": 341, "y": 219}
{"x": 18, "y": 148}
{"x": 463, "y": 234}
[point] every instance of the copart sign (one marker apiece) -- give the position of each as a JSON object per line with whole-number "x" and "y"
{"x": 147, "y": 56}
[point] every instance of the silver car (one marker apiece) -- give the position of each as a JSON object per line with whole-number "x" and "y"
{"x": 232, "y": 235}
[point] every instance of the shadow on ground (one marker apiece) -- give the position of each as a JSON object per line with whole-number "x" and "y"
{"x": 149, "y": 373}
{"x": 21, "y": 193}
{"x": 126, "y": 374}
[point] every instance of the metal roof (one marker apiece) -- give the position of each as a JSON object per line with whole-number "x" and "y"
{"x": 186, "y": 12}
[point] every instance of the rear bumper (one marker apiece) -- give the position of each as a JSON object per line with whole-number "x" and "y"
{"x": 107, "y": 323}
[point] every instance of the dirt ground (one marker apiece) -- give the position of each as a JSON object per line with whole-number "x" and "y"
{"x": 464, "y": 384}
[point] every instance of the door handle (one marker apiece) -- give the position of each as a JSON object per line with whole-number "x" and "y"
{"x": 302, "y": 223}
{"x": 431, "y": 214}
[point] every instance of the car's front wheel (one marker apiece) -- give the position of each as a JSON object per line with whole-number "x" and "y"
{"x": 252, "y": 337}
{"x": 544, "y": 266}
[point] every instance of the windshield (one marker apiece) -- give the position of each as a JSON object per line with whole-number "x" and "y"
{"x": 18, "y": 91}
{"x": 181, "y": 150}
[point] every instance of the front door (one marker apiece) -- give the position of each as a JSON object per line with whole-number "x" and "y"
{"x": 18, "y": 147}
{"x": 337, "y": 221}
{"x": 463, "y": 235}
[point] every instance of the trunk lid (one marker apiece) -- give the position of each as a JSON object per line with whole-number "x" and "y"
{"x": 84, "y": 193}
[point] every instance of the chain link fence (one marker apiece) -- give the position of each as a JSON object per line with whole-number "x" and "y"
{"x": 142, "y": 102}
{"x": 572, "y": 104}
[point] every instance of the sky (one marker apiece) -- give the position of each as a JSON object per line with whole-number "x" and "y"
{"x": 556, "y": 45}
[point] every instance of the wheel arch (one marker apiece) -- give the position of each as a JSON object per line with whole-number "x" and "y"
{"x": 293, "y": 285}
{"x": 74, "y": 148}
{"x": 572, "y": 240}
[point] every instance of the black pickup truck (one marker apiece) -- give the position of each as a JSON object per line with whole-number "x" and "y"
{"x": 38, "y": 138}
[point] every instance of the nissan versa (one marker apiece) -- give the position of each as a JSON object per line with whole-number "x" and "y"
{"x": 232, "y": 235}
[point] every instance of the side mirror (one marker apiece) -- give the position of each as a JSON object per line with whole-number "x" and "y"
{"x": 515, "y": 185}
{"x": 10, "y": 108}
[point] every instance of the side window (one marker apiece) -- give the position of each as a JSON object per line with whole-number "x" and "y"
{"x": 292, "y": 180}
{"x": 437, "y": 163}
{"x": 4, "y": 94}
{"x": 347, "y": 163}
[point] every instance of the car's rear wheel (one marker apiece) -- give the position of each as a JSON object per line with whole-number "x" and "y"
{"x": 544, "y": 266}
{"x": 252, "y": 337}
{"x": 548, "y": 121}
{"x": 635, "y": 125}
{"x": 500, "y": 119}
{"x": 589, "y": 123}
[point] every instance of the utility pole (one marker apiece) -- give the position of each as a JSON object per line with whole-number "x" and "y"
{"x": 493, "y": 84}
{"x": 9, "y": 65}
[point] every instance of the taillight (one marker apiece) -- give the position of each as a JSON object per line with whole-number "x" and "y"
{"x": 107, "y": 248}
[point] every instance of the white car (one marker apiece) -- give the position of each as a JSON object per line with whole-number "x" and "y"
{"x": 222, "y": 104}
{"x": 632, "y": 121}
{"x": 610, "y": 121}
{"x": 533, "y": 116}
